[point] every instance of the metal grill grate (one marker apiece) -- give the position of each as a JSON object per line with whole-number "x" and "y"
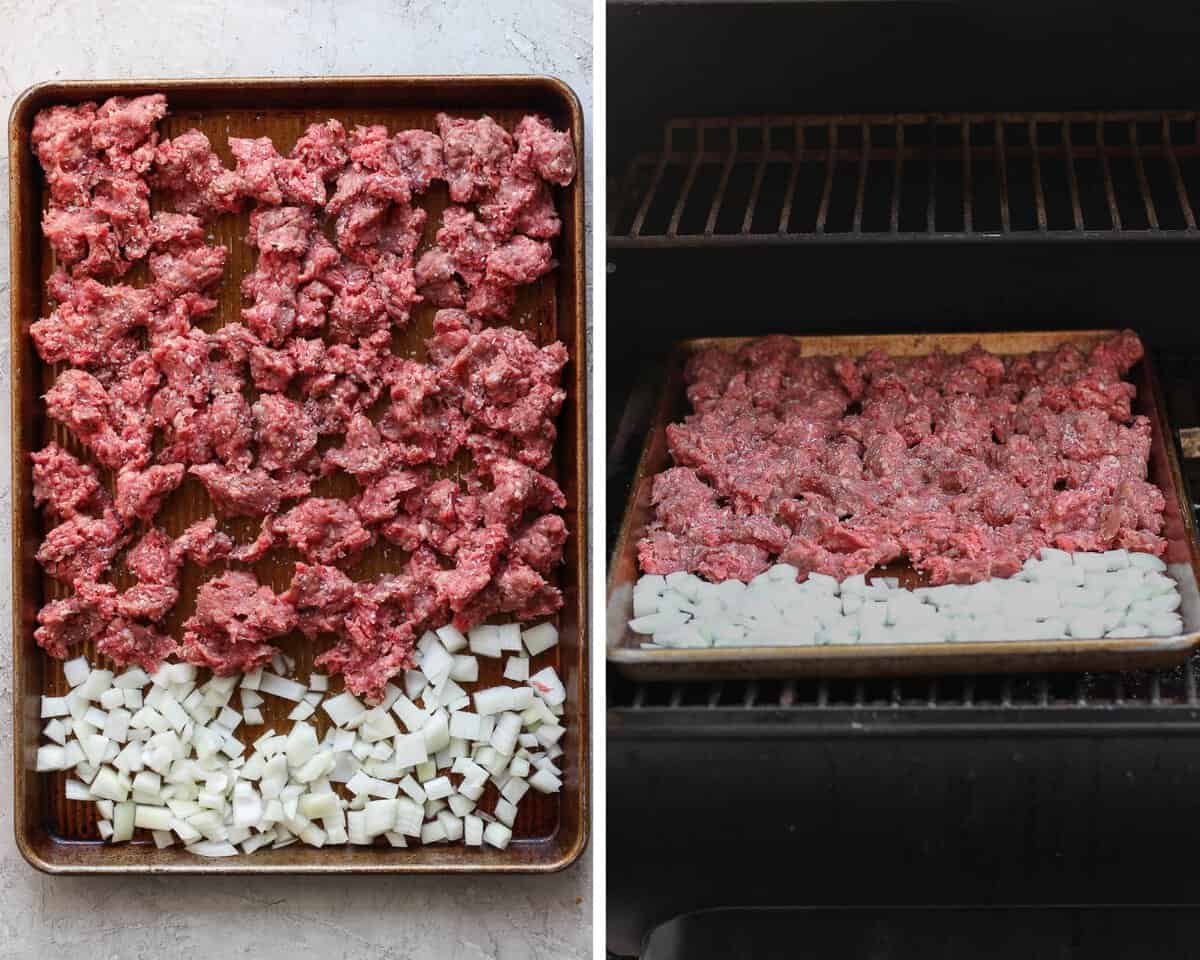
{"x": 1162, "y": 689}
{"x": 859, "y": 178}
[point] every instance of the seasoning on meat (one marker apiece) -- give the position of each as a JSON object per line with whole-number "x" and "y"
{"x": 154, "y": 558}
{"x": 967, "y": 465}
{"x": 235, "y": 617}
{"x": 203, "y": 543}
{"x": 76, "y": 619}
{"x": 188, "y": 169}
{"x": 79, "y": 401}
{"x": 135, "y": 643}
{"x": 63, "y": 485}
{"x": 82, "y": 548}
{"x": 321, "y": 595}
{"x": 140, "y": 493}
{"x": 240, "y": 493}
{"x": 544, "y": 151}
{"x": 325, "y": 531}
{"x": 94, "y": 160}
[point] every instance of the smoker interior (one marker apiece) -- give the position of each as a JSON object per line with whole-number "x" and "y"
{"x": 933, "y": 793}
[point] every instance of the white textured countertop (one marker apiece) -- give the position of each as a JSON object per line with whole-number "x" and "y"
{"x": 439, "y": 918}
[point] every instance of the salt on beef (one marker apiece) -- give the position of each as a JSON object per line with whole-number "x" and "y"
{"x": 234, "y": 620}
{"x": 483, "y": 255}
{"x": 95, "y": 160}
{"x": 967, "y": 465}
{"x": 318, "y": 325}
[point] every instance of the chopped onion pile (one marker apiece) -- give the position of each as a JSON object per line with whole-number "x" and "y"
{"x": 162, "y": 752}
{"x": 1059, "y": 595}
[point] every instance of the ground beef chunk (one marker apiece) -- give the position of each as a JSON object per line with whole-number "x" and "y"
{"x": 192, "y": 174}
{"x": 285, "y": 435}
{"x": 436, "y": 277}
{"x": 128, "y": 643}
{"x": 63, "y": 485}
{"x": 419, "y": 156}
{"x": 232, "y": 424}
{"x": 381, "y": 499}
{"x": 147, "y": 601}
{"x": 94, "y": 159}
{"x": 202, "y": 543}
{"x": 965, "y": 465}
{"x": 79, "y": 401}
{"x": 272, "y": 179}
{"x": 194, "y": 269}
{"x": 540, "y": 544}
{"x": 477, "y": 155}
{"x": 363, "y": 453}
{"x": 340, "y": 381}
{"x": 322, "y": 149}
{"x": 286, "y": 230}
{"x": 82, "y": 548}
{"x": 321, "y": 595}
{"x": 423, "y": 422}
{"x": 521, "y": 204}
{"x": 468, "y": 242}
{"x": 76, "y": 619}
{"x": 235, "y": 617}
{"x": 260, "y": 546}
{"x": 90, "y": 322}
{"x": 438, "y": 516}
{"x": 154, "y": 559}
{"x": 517, "y": 490}
{"x": 520, "y": 260}
{"x": 475, "y": 563}
{"x": 543, "y": 151}
{"x": 380, "y": 630}
{"x": 367, "y": 188}
{"x": 240, "y": 493}
{"x": 325, "y": 531}
{"x": 517, "y": 590}
{"x": 509, "y": 390}
{"x": 140, "y": 493}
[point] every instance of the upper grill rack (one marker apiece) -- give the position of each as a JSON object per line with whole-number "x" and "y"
{"x": 921, "y": 176}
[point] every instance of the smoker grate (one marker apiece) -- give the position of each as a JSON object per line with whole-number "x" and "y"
{"x": 926, "y": 176}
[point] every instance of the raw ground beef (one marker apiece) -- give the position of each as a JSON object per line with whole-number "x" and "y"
{"x": 235, "y": 617}
{"x": 135, "y": 643}
{"x": 191, "y": 173}
{"x": 81, "y": 549}
{"x": 76, "y": 619}
{"x": 966, "y": 465}
{"x": 154, "y": 397}
{"x": 325, "y": 531}
{"x": 95, "y": 161}
{"x": 202, "y": 543}
{"x": 63, "y": 485}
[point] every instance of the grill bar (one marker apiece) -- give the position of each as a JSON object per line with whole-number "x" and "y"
{"x": 1013, "y": 176}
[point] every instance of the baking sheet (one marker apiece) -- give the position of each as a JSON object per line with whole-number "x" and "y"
{"x": 890, "y": 660}
{"x": 60, "y": 836}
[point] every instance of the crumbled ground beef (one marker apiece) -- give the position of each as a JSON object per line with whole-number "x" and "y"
{"x": 477, "y": 154}
{"x": 90, "y": 321}
{"x": 94, "y": 161}
{"x": 81, "y": 549}
{"x": 63, "y": 485}
{"x": 76, "y": 619}
{"x": 325, "y": 531}
{"x": 235, "y": 617}
{"x": 966, "y": 465}
{"x": 321, "y": 595}
{"x": 316, "y": 341}
{"x": 135, "y": 643}
{"x": 193, "y": 176}
{"x": 203, "y": 543}
{"x": 140, "y": 493}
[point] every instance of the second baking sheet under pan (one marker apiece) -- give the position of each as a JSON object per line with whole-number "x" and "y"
{"x": 59, "y": 835}
{"x": 625, "y": 648}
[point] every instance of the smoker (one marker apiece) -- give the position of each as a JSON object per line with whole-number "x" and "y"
{"x": 893, "y": 167}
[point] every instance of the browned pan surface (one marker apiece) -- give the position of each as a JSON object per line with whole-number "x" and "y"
{"x": 54, "y": 834}
{"x": 876, "y": 660}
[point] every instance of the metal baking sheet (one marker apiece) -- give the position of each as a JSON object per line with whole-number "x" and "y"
{"x": 895, "y": 660}
{"x": 60, "y": 836}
